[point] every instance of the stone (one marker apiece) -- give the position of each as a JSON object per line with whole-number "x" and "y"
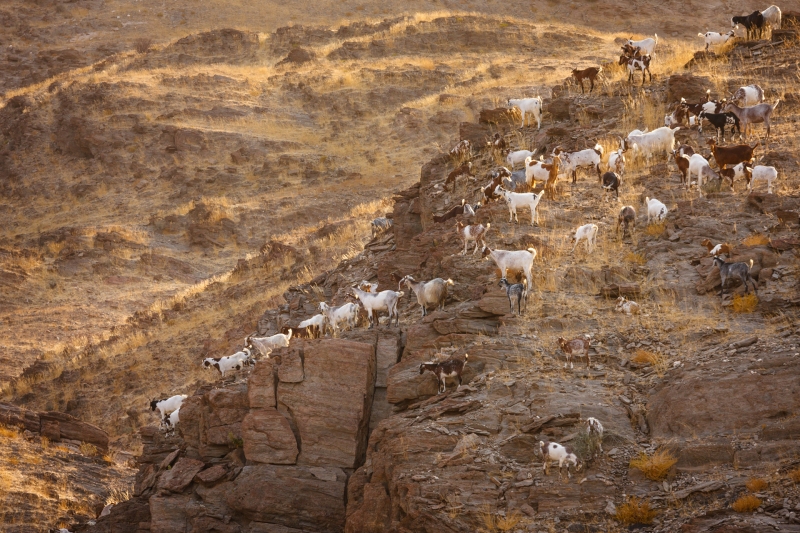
{"x": 211, "y": 475}
{"x": 268, "y": 437}
{"x": 69, "y": 427}
{"x": 291, "y": 368}
{"x": 181, "y": 475}
{"x": 261, "y": 385}
{"x": 688, "y": 86}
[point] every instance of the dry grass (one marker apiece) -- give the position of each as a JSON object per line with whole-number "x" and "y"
{"x": 654, "y": 467}
{"x": 659, "y": 362}
{"x": 744, "y": 303}
{"x": 746, "y": 504}
{"x": 635, "y": 511}
{"x": 88, "y": 449}
{"x": 635, "y": 258}
{"x": 756, "y": 484}
{"x": 494, "y": 522}
{"x": 9, "y": 433}
{"x": 794, "y": 475}
{"x": 757, "y": 239}
{"x": 655, "y": 229}
{"x": 118, "y": 496}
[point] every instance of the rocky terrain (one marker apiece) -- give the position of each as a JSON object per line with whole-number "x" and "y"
{"x": 346, "y": 434}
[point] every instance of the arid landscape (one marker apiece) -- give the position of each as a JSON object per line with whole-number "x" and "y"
{"x": 175, "y": 177}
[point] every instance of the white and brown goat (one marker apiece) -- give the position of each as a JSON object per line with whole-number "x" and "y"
{"x": 452, "y": 368}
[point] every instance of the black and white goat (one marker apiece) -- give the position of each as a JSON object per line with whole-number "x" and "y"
{"x": 552, "y": 451}
{"x": 452, "y": 368}
{"x": 610, "y": 184}
{"x": 167, "y": 405}
{"x": 719, "y": 121}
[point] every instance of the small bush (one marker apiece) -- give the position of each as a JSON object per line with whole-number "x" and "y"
{"x": 117, "y": 496}
{"x": 744, "y": 303}
{"x": 794, "y": 475}
{"x": 586, "y": 445}
{"x": 635, "y": 258}
{"x": 635, "y": 511}
{"x": 656, "y": 466}
{"x": 746, "y": 504}
{"x": 45, "y": 442}
{"x": 8, "y": 433}
{"x": 655, "y": 229}
{"x": 88, "y": 449}
{"x": 757, "y": 239}
{"x": 756, "y": 484}
{"x": 143, "y": 44}
{"x": 658, "y": 361}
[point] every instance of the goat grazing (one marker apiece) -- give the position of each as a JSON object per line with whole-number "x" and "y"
{"x": 762, "y": 173}
{"x": 646, "y": 46}
{"x": 497, "y": 143}
{"x": 346, "y": 315}
{"x": 734, "y": 270}
{"x": 552, "y": 451}
{"x": 529, "y": 106}
{"x": 714, "y": 38}
{"x": 616, "y": 161}
{"x": 659, "y": 140}
{"x": 316, "y": 324}
{"x": 753, "y": 22}
{"x": 655, "y": 210}
{"x": 381, "y": 225}
{"x": 683, "y": 163}
{"x": 718, "y": 249}
{"x": 586, "y": 232}
{"x": 740, "y": 171}
{"x": 517, "y": 260}
{"x": 626, "y": 306}
{"x": 167, "y": 405}
{"x": 748, "y": 96}
{"x": 626, "y": 217}
{"x": 516, "y": 293}
{"x": 610, "y": 183}
{"x": 462, "y": 170}
{"x": 452, "y": 368}
{"x": 637, "y": 63}
{"x": 462, "y": 150}
{"x": 475, "y": 232}
{"x": 572, "y": 347}
{"x": 590, "y": 74}
{"x": 719, "y": 121}
{"x": 382, "y": 301}
{"x": 453, "y": 212}
{"x": 753, "y": 115}
{"x": 518, "y": 156}
{"x": 590, "y": 157}
{"x": 265, "y": 345}
{"x": 518, "y": 199}
{"x": 731, "y": 155}
{"x": 433, "y": 292}
{"x": 699, "y": 165}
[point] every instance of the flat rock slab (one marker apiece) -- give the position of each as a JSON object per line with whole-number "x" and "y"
{"x": 179, "y": 477}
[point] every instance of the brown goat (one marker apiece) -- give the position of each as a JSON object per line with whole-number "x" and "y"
{"x": 731, "y": 155}
{"x": 590, "y": 73}
{"x": 465, "y": 169}
{"x": 683, "y": 165}
{"x": 453, "y": 212}
{"x": 574, "y": 346}
{"x": 719, "y": 248}
{"x": 552, "y": 179}
{"x": 307, "y": 332}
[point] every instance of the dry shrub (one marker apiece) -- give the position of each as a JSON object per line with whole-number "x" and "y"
{"x": 658, "y": 361}
{"x": 635, "y": 511}
{"x": 757, "y": 239}
{"x": 143, "y": 44}
{"x": 655, "y": 229}
{"x": 744, "y": 303}
{"x": 88, "y": 449}
{"x": 756, "y": 484}
{"x": 635, "y": 258}
{"x": 746, "y": 504}
{"x": 656, "y": 466}
{"x": 9, "y": 433}
{"x": 45, "y": 442}
{"x": 794, "y": 475}
{"x": 117, "y": 496}
{"x": 494, "y": 522}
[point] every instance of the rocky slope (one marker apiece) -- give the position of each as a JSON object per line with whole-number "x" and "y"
{"x": 347, "y": 435}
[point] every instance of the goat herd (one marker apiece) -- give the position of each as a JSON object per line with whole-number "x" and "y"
{"x": 743, "y": 108}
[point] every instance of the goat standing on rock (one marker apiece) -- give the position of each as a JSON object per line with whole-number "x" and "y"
{"x": 572, "y": 347}
{"x": 738, "y": 270}
{"x": 552, "y": 451}
{"x": 382, "y": 301}
{"x": 516, "y": 293}
{"x": 433, "y": 292}
{"x": 452, "y": 368}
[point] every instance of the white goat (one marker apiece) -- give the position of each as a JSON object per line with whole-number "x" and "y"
{"x": 517, "y": 157}
{"x": 595, "y": 430}
{"x": 535, "y": 171}
{"x": 590, "y": 157}
{"x": 167, "y": 405}
{"x": 763, "y": 173}
{"x": 552, "y": 451}
{"x": 587, "y": 232}
{"x": 265, "y": 345}
{"x": 519, "y": 199}
{"x": 699, "y": 165}
{"x": 236, "y": 361}
{"x": 173, "y": 419}
{"x": 531, "y": 106}
{"x": 748, "y": 96}
{"x": 714, "y": 38}
{"x": 772, "y": 16}
{"x": 474, "y": 232}
{"x": 433, "y": 292}
{"x": 626, "y": 306}
{"x": 346, "y": 315}
{"x": 517, "y": 260}
{"x": 655, "y": 209}
{"x": 658, "y": 140}
{"x": 616, "y": 161}
{"x": 318, "y": 321}
{"x": 383, "y": 301}
{"x": 647, "y": 47}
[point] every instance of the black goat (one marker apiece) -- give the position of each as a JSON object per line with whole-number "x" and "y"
{"x": 719, "y": 121}
{"x": 754, "y": 23}
{"x": 610, "y": 183}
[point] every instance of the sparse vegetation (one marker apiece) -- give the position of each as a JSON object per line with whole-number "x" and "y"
{"x": 635, "y": 258}
{"x": 88, "y": 449}
{"x": 656, "y": 466}
{"x": 658, "y": 361}
{"x": 756, "y": 239}
{"x": 756, "y": 484}
{"x": 635, "y": 511}
{"x": 8, "y": 433}
{"x": 744, "y": 303}
{"x": 794, "y": 475}
{"x": 746, "y": 504}
{"x": 655, "y": 229}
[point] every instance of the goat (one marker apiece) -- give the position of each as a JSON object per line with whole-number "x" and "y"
{"x": 677, "y": 116}
{"x": 715, "y": 38}
{"x": 586, "y": 232}
{"x": 508, "y": 259}
{"x": 433, "y": 292}
{"x": 497, "y": 143}
{"x": 753, "y": 22}
{"x": 686, "y": 150}
{"x": 594, "y": 430}
{"x": 552, "y": 451}
{"x": 574, "y": 346}
{"x": 772, "y": 16}
{"x": 452, "y": 368}
{"x": 265, "y": 345}
{"x": 748, "y": 96}
{"x": 535, "y": 171}
{"x": 172, "y": 419}
{"x": 616, "y": 161}
{"x": 626, "y": 306}
{"x": 699, "y": 165}
{"x": 590, "y": 157}
{"x": 763, "y": 173}
{"x": 752, "y": 115}
{"x": 709, "y": 106}
{"x": 367, "y": 286}
{"x": 626, "y": 217}
{"x": 517, "y": 157}
{"x": 469, "y": 210}
{"x": 646, "y": 46}
{"x": 308, "y": 332}
{"x": 496, "y": 175}
{"x": 636, "y": 63}
{"x": 683, "y": 162}
{"x": 453, "y": 212}
{"x": 168, "y": 405}
{"x": 731, "y": 270}
{"x": 610, "y": 183}
{"x": 461, "y": 150}
{"x": 590, "y": 74}
{"x": 719, "y": 121}
{"x": 382, "y": 301}
{"x": 655, "y": 209}
{"x": 236, "y": 361}
{"x": 718, "y": 249}
{"x": 475, "y": 232}
{"x": 731, "y": 155}
{"x": 552, "y": 178}
{"x": 346, "y": 314}
{"x": 517, "y": 199}
{"x": 517, "y": 180}
{"x": 463, "y": 170}
{"x": 316, "y": 324}
{"x": 740, "y": 171}
{"x": 659, "y": 140}
{"x": 516, "y": 292}
{"x": 532, "y": 106}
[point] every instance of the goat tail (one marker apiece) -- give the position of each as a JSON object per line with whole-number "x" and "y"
{"x": 449, "y": 282}
{"x": 751, "y": 264}
{"x": 466, "y": 358}
{"x": 532, "y": 250}
{"x": 401, "y": 294}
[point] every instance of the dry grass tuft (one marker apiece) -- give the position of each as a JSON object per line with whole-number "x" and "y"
{"x": 658, "y": 361}
{"x": 635, "y": 258}
{"x": 794, "y": 475}
{"x": 757, "y": 239}
{"x": 143, "y": 44}
{"x": 8, "y": 433}
{"x": 493, "y": 522}
{"x": 656, "y": 466}
{"x": 744, "y": 303}
{"x": 88, "y": 449}
{"x": 635, "y": 511}
{"x": 756, "y": 484}
{"x": 746, "y": 504}
{"x": 656, "y": 229}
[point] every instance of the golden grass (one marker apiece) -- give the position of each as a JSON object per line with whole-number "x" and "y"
{"x": 635, "y": 258}
{"x": 658, "y": 361}
{"x": 635, "y": 511}
{"x": 8, "y": 433}
{"x": 744, "y": 303}
{"x": 118, "y": 496}
{"x": 654, "y": 467}
{"x": 88, "y": 449}
{"x": 757, "y": 239}
{"x": 746, "y": 504}
{"x": 756, "y": 484}
{"x": 794, "y": 475}
{"x": 655, "y": 229}
{"x": 494, "y": 522}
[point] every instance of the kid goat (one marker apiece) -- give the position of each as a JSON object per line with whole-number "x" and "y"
{"x": 586, "y": 232}
{"x": 552, "y": 451}
{"x": 167, "y": 405}
{"x": 452, "y": 368}
{"x": 472, "y": 233}
{"x": 516, "y": 293}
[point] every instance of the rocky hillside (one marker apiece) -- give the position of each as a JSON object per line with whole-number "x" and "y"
{"x": 698, "y": 394}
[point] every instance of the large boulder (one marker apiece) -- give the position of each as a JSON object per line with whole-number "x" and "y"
{"x": 688, "y": 86}
{"x": 268, "y": 438}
